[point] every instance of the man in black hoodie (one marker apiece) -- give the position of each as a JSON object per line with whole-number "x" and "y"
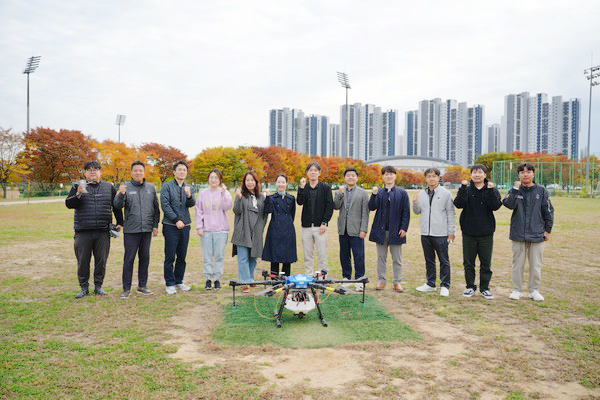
{"x": 478, "y": 199}
{"x": 92, "y": 200}
{"x": 530, "y": 226}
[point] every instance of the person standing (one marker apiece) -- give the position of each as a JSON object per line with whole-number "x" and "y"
{"x": 141, "y": 223}
{"x": 280, "y": 243}
{"x": 478, "y": 201}
{"x": 353, "y": 222}
{"x": 317, "y": 210}
{"x": 212, "y": 225}
{"x": 390, "y": 226}
{"x": 438, "y": 221}
{"x": 92, "y": 201}
{"x": 248, "y": 227}
{"x": 176, "y": 197}
{"x": 530, "y": 226}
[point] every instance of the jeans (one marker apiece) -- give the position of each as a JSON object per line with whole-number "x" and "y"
{"x": 246, "y": 264}
{"x": 213, "y": 252}
{"x": 481, "y": 246}
{"x": 433, "y": 245}
{"x": 357, "y": 246}
{"x": 136, "y": 243}
{"x": 176, "y": 244}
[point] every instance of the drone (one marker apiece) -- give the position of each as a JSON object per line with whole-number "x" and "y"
{"x": 300, "y": 293}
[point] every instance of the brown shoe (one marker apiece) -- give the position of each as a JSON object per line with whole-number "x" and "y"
{"x": 398, "y": 288}
{"x": 381, "y": 286}
{"x": 245, "y": 289}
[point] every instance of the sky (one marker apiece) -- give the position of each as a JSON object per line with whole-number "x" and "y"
{"x": 198, "y": 74}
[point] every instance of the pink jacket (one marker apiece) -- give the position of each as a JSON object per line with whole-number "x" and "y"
{"x": 211, "y": 210}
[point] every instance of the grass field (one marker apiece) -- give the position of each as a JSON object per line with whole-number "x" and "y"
{"x": 190, "y": 345}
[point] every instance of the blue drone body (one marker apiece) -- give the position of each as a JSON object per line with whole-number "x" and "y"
{"x": 300, "y": 281}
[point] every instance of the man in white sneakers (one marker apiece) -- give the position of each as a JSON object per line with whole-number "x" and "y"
{"x": 530, "y": 226}
{"x": 438, "y": 223}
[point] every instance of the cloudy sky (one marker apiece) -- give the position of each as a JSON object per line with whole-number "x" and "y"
{"x": 197, "y": 74}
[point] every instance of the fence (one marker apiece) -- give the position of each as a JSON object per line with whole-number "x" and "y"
{"x": 559, "y": 178}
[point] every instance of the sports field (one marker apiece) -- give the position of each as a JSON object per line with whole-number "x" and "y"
{"x": 190, "y": 345}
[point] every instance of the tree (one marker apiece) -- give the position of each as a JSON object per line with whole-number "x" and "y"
{"x": 456, "y": 174}
{"x": 116, "y": 159}
{"x": 233, "y": 163}
{"x": 56, "y": 157}
{"x": 162, "y": 158}
{"x": 11, "y": 145}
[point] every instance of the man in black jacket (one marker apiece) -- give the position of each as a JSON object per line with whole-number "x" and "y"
{"x": 317, "y": 202}
{"x": 478, "y": 199}
{"x": 176, "y": 197}
{"x": 93, "y": 204}
{"x": 530, "y": 226}
{"x": 141, "y": 223}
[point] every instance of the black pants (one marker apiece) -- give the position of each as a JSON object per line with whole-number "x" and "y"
{"x": 357, "y": 246}
{"x": 176, "y": 244}
{"x": 96, "y": 242}
{"x": 286, "y": 268}
{"x": 433, "y": 245}
{"x": 481, "y": 246}
{"x": 136, "y": 243}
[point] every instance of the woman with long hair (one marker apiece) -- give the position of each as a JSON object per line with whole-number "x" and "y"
{"x": 248, "y": 227}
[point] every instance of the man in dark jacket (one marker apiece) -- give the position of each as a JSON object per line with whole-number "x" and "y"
{"x": 92, "y": 200}
{"x": 530, "y": 226}
{"x": 175, "y": 199}
{"x": 317, "y": 202}
{"x": 389, "y": 226}
{"x": 478, "y": 199}
{"x": 141, "y": 223}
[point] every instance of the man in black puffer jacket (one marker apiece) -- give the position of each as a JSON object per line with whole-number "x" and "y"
{"x": 93, "y": 204}
{"x": 530, "y": 226}
{"x": 478, "y": 199}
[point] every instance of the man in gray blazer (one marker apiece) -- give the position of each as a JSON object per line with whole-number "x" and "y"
{"x": 353, "y": 222}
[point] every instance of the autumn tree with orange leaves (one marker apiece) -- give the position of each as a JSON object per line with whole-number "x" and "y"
{"x": 162, "y": 158}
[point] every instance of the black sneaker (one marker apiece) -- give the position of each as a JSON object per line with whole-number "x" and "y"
{"x": 145, "y": 291}
{"x": 82, "y": 293}
{"x": 99, "y": 291}
{"x": 217, "y": 285}
{"x": 125, "y": 294}
{"x": 208, "y": 285}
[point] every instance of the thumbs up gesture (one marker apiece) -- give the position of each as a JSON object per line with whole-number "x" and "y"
{"x": 375, "y": 190}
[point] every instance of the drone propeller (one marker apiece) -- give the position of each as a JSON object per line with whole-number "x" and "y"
{"x": 268, "y": 291}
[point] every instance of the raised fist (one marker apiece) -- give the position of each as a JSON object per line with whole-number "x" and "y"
{"x": 342, "y": 189}
{"x": 375, "y": 190}
{"x": 491, "y": 185}
{"x": 122, "y": 189}
{"x": 464, "y": 183}
{"x": 238, "y": 193}
{"x": 415, "y": 198}
{"x": 302, "y": 182}
{"x": 223, "y": 187}
{"x": 267, "y": 192}
{"x": 188, "y": 191}
{"x": 517, "y": 184}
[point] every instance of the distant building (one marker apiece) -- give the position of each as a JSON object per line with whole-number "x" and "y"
{"x": 493, "y": 137}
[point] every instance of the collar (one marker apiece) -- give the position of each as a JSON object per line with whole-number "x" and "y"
{"x": 431, "y": 191}
{"x": 351, "y": 190}
{"x": 392, "y": 189}
{"x": 134, "y": 182}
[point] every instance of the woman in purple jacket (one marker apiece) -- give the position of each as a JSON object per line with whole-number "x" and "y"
{"x": 212, "y": 226}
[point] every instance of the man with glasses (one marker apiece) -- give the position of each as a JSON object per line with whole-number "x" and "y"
{"x": 92, "y": 200}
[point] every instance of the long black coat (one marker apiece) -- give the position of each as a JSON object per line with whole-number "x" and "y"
{"x": 280, "y": 243}
{"x": 399, "y": 216}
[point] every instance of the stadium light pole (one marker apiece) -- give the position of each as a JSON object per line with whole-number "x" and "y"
{"x": 343, "y": 79}
{"x": 32, "y": 64}
{"x": 120, "y": 121}
{"x": 591, "y": 74}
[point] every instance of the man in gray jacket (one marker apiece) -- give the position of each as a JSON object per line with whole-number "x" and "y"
{"x": 141, "y": 223}
{"x": 437, "y": 229}
{"x": 353, "y": 222}
{"x": 530, "y": 226}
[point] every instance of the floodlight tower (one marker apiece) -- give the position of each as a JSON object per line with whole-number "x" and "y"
{"x": 343, "y": 79}
{"x": 591, "y": 74}
{"x": 120, "y": 121}
{"x": 32, "y": 64}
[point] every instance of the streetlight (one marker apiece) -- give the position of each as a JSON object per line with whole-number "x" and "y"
{"x": 120, "y": 121}
{"x": 591, "y": 74}
{"x": 32, "y": 64}
{"x": 343, "y": 79}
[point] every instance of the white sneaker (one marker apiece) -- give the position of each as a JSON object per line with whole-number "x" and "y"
{"x": 536, "y": 296}
{"x": 444, "y": 291}
{"x": 425, "y": 288}
{"x": 515, "y": 295}
{"x": 469, "y": 292}
{"x": 171, "y": 290}
{"x": 487, "y": 294}
{"x": 359, "y": 287}
{"x": 345, "y": 284}
{"x": 183, "y": 287}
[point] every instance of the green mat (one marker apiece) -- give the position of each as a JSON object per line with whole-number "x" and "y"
{"x": 349, "y": 321}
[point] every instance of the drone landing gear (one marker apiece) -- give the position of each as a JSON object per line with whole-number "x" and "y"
{"x": 281, "y": 307}
{"x": 314, "y": 293}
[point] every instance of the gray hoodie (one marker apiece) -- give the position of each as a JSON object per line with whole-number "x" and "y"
{"x": 439, "y": 218}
